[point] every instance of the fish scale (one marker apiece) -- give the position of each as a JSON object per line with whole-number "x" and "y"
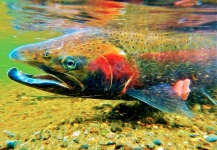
{"x": 117, "y": 63}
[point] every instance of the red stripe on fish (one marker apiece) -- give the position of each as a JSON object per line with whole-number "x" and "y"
{"x": 115, "y": 67}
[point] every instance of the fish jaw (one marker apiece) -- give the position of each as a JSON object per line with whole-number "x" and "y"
{"x": 46, "y": 82}
{"x": 49, "y": 56}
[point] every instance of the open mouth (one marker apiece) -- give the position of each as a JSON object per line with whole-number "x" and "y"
{"x": 45, "y": 82}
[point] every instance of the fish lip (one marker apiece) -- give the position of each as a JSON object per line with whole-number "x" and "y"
{"x": 45, "y": 82}
{"x": 36, "y": 80}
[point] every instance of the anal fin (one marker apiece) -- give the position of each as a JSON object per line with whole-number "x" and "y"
{"x": 162, "y": 97}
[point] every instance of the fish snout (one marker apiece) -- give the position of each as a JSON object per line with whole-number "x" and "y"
{"x": 22, "y": 53}
{"x": 15, "y": 54}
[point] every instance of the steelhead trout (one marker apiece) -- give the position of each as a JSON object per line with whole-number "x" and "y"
{"x": 160, "y": 69}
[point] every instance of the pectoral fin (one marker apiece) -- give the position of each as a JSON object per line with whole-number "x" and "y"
{"x": 162, "y": 97}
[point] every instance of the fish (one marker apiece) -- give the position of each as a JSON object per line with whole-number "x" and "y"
{"x": 158, "y": 68}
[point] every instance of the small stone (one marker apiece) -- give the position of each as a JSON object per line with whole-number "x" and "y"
{"x": 104, "y": 132}
{"x": 9, "y": 134}
{"x": 194, "y": 129}
{"x": 46, "y": 134}
{"x": 11, "y": 144}
{"x": 137, "y": 148}
{"x": 182, "y": 122}
{"x": 157, "y": 142}
{"x": 65, "y": 142}
{"x": 150, "y": 145}
{"x": 110, "y": 135}
{"x": 122, "y": 146}
{"x": 193, "y": 135}
{"x": 211, "y": 138}
{"x": 46, "y": 142}
{"x": 206, "y": 107}
{"x": 196, "y": 107}
{"x": 155, "y": 127}
{"x": 84, "y": 146}
{"x": 37, "y": 135}
{"x": 76, "y": 133}
{"x": 182, "y": 133}
{"x": 110, "y": 143}
{"x": 94, "y": 130}
{"x": 115, "y": 128}
{"x": 78, "y": 119}
{"x": 59, "y": 136}
{"x": 75, "y": 140}
{"x": 129, "y": 134}
{"x": 210, "y": 129}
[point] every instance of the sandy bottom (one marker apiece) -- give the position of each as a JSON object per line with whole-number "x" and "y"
{"x": 32, "y": 119}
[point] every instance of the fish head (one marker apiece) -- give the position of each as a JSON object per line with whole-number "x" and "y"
{"x": 68, "y": 62}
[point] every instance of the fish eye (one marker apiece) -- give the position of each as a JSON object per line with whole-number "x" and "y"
{"x": 69, "y": 63}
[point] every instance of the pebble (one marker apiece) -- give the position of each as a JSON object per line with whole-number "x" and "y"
{"x": 104, "y": 132}
{"x": 76, "y": 133}
{"x": 181, "y": 122}
{"x": 150, "y": 145}
{"x": 211, "y": 138}
{"x": 78, "y": 119}
{"x": 182, "y": 133}
{"x": 37, "y": 135}
{"x": 196, "y": 107}
{"x": 157, "y": 142}
{"x": 110, "y": 143}
{"x": 45, "y": 134}
{"x": 210, "y": 129}
{"x": 75, "y": 140}
{"x": 94, "y": 130}
{"x": 137, "y": 148}
{"x": 115, "y": 128}
{"x": 193, "y": 135}
{"x": 122, "y": 146}
{"x": 11, "y": 144}
{"x": 65, "y": 142}
{"x": 9, "y": 134}
{"x": 110, "y": 135}
{"x": 84, "y": 146}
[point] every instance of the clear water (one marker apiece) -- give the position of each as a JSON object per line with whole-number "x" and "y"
{"x": 23, "y": 22}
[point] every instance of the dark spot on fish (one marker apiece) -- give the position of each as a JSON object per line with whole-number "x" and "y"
{"x": 46, "y": 54}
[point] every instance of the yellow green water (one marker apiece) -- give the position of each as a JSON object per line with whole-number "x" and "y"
{"x": 25, "y": 112}
{"x": 11, "y": 38}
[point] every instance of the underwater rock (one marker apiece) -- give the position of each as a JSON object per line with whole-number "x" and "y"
{"x": 150, "y": 145}
{"x": 9, "y": 134}
{"x": 157, "y": 142}
{"x": 84, "y": 146}
{"x": 11, "y": 144}
{"x": 211, "y": 138}
{"x": 193, "y": 135}
{"x": 115, "y": 128}
{"x": 210, "y": 129}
